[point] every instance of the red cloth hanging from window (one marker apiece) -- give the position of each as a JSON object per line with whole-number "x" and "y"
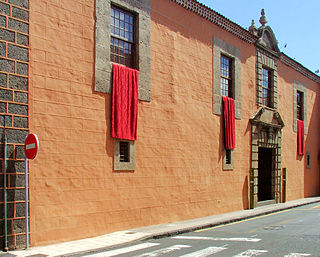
{"x": 124, "y": 102}
{"x": 229, "y": 122}
{"x": 300, "y": 137}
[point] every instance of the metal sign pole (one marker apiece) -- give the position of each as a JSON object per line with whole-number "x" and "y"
{"x": 31, "y": 147}
{"x": 27, "y": 205}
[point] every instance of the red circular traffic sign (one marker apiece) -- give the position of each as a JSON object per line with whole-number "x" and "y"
{"x": 31, "y": 146}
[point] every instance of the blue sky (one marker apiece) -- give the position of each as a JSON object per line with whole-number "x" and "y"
{"x": 294, "y": 22}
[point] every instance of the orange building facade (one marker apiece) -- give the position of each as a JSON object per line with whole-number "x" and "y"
{"x": 85, "y": 183}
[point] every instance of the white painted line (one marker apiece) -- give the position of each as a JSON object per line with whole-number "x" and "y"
{"x": 204, "y": 252}
{"x": 251, "y": 253}
{"x": 124, "y": 250}
{"x": 30, "y": 146}
{"x": 297, "y": 255}
{"x": 236, "y": 239}
{"x": 163, "y": 251}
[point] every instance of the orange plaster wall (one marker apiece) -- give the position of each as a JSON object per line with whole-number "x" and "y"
{"x": 74, "y": 192}
{"x": 301, "y": 182}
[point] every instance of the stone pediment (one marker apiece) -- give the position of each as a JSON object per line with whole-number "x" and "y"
{"x": 267, "y": 117}
{"x": 268, "y": 39}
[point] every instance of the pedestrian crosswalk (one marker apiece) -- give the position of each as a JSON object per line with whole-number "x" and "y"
{"x": 204, "y": 252}
{"x": 236, "y": 239}
{"x": 156, "y": 250}
{"x": 163, "y": 251}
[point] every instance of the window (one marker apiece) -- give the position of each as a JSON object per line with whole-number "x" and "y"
{"x": 124, "y": 155}
{"x": 226, "y": 76}
{"x": 122, "y": 37}
{"x": 227, "y": 159}
{"x": 299, "y": 105}
{"x": 308, "y": 160}
{"x": 124, "y": 151}
{"x": 267, "y": 80}
{"x": 266, "y": 87}
{"x": 228, "y": 156}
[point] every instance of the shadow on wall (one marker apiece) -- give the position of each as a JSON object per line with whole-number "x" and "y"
{"x": 312, "y": 174}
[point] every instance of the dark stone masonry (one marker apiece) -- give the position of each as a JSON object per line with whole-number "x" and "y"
{"x": 14, "y": 119}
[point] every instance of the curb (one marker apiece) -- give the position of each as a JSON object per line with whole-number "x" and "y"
{"x": 276, "y": 208}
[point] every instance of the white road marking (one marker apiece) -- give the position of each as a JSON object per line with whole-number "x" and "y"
{"x": 297, "y": 255}
{"x": 124, "y": 250}
{"x": 250, "y": 253}
{"x": 30, "y": 146}
{"x": 163, "y": 251}
{"x": 204, "y": 252}
{"x": 236, "y": 239}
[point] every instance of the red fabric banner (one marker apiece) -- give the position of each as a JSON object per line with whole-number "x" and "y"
{"x": 124, "y": 102}
{"x": 300, "y": 137}
{"x": 229, "y": 122}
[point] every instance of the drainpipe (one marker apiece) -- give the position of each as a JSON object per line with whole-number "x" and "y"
{"x": 27, "y": 201}
{"x": 4, "y": 165}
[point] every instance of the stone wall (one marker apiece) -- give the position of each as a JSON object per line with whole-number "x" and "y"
{"x": 14, "y": 58}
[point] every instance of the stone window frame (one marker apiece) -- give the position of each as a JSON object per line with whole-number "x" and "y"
{"x": 298, "y": 86}
{"x": 225, "y": 165}
{"x": 265, "y": 60}
{"x": 117, "y": 165}
{"x": 103, "y": 65}
{"x": 221, "y": 47}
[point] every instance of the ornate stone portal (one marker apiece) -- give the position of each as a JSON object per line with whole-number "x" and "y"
{"x": 266, "y": 125}
{"x": 266, "y": 122}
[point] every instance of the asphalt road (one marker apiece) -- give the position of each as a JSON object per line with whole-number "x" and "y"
{"x": 290, "y": 233}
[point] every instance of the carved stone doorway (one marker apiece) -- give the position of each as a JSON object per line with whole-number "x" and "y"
{"x": 266, "y": 126}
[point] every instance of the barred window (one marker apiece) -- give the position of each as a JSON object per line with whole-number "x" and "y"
{"x": 226, "y": 76}
{"x": 228, "y": 156}
{"x": 124, "y": 151}
{"x": 122, "y": 37}
{"x": 266, "y": 87}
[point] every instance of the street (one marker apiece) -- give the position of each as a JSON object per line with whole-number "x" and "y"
{"x": 290, "y": 233}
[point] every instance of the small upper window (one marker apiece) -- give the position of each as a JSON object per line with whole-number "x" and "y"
{"x": 122, "y": 37}
{"x": 226, "y": 76}
{"x": 266, "y": 87}
{"x": 299, "y": 105}
{"x": 228, "y": 156}
{"x": 124, "y": 150}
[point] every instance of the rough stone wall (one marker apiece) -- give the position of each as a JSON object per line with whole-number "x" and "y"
{"x": 14, "y": 65}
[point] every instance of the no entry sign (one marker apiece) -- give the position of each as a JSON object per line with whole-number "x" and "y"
{"x": 31, "y": 146}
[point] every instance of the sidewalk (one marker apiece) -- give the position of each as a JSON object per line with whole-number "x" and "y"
{"x": 126, "y": 236}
